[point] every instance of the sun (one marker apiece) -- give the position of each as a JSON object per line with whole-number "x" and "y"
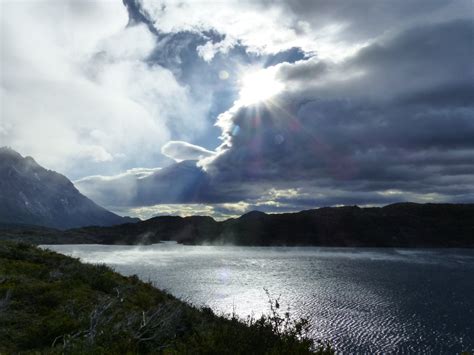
{"x": 258, "y": 86}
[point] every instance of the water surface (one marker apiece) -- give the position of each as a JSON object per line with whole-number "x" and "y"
{"x": 361, "y": 300}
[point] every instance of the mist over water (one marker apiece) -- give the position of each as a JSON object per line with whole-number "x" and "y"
{"x": 364, "y": 300}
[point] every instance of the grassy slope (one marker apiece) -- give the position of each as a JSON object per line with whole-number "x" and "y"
{"x": 55, "y": 304}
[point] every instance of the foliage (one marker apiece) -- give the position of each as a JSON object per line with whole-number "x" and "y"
{"x": 51, "y": 303}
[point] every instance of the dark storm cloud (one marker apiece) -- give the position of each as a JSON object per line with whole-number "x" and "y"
{"x": 394, "y": 122}
{"x": 397, "y": 115}
{"x": 364, "y": 18}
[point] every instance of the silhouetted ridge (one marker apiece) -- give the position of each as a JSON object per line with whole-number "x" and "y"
{"x": 253, "y": 215}
{"x": 398, "y": 225}
{"x": 31, "y": 194}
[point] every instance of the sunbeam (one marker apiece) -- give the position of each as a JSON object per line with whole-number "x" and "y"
{"x": 258, "y": 86}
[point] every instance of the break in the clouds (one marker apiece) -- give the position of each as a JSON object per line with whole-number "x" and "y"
{"x": 270, "y": 105}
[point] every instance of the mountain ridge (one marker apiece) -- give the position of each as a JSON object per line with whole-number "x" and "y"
{"x": 396, "y": 225}
{"x": 33, "y": 195}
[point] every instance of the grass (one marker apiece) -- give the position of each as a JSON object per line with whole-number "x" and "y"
{"x": 54, "y": 304}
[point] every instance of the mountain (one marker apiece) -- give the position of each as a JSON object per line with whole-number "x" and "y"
{"x": 33, "y": 195}
{"x": 396, "y": 225}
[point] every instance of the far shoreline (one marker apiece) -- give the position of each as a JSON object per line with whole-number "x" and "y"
{"x": 400, "y": 225}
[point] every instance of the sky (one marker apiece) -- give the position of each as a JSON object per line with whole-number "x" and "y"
{"x": 222, "y": 107}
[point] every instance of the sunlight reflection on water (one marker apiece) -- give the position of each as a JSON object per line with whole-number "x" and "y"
{"x": 365, "y": 300}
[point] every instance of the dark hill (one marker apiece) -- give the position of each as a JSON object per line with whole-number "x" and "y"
{"x": 397, "y": 225}
{"x": 33, "y": 195}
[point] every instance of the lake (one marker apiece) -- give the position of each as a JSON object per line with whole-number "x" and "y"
{"x": 360, "y": 300}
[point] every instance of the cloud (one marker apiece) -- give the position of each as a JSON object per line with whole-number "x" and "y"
{"x": 390, "y": 123}
{"x": 178, "y": 183}
{"x": 79, "y": 94}
{"x": 367, "y": 124}
{"x": 114, "y": 190}
{"x": 131, "y": 43}
{"x": 208, "y": 50}
{"x": 179, "y": 151}
{"x": 375, "y": 106}
{"x": 247, "y": 23}
{"x": 331, "y": 29}
{"x": 183, "y": 210}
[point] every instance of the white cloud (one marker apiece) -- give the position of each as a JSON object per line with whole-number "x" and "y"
{"x": 138, "y": 173}
{"x": 332, "y": 29}
{"x": 180, "y": 151}
{"x": 76, "y": 90}
{"x": 238, "y": 208}
{"x": 129, "y": 43}
{"x": 208, "y": 50}
{"x": 123, "y": 187}
{"x": 182, "y": 210}
{"x": 261, "y": 28}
